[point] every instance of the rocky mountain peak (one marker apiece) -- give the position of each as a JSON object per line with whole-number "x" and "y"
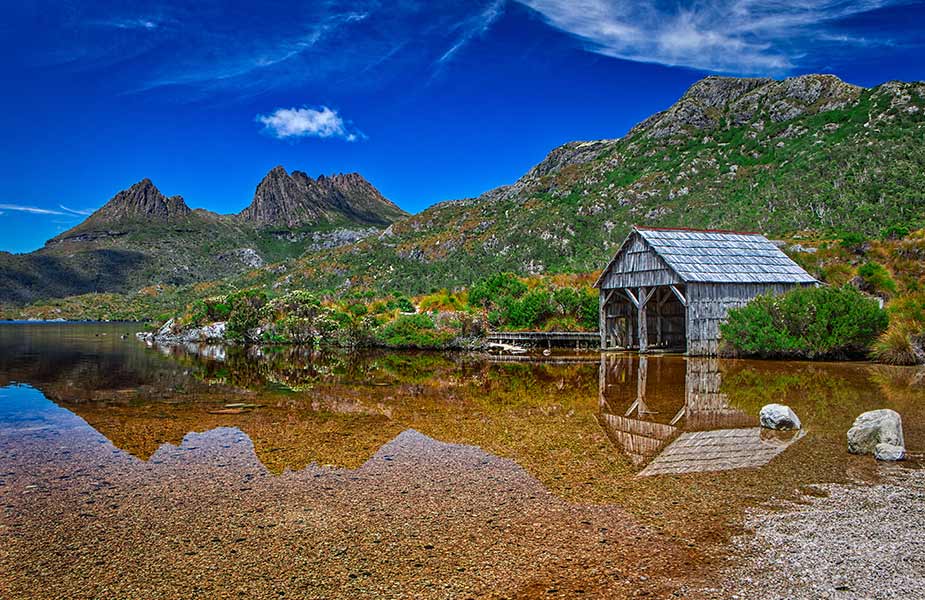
{"x": 734, "y": 101}
{"x": 141, "y": 201}
{"x": 296, "y": 200}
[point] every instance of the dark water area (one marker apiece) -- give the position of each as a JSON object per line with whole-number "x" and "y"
{"x": 129, "y": 470}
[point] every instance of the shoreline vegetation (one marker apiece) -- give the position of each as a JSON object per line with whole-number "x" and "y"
{"x": 442, "y": 320}
{"x": 867, "y": 272}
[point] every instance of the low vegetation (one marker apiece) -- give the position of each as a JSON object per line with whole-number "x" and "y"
{"x": 441, "y": 319}
{"x": 811, "y": 322}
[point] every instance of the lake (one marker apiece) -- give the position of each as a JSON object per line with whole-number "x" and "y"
{"x": 129, "y": 470}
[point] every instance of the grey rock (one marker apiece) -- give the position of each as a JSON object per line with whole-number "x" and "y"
{"x": 207, "y": 333}
{"x": 246, "y": 256}
{"x": 874, "y": 427}
{"x": 889, "y": 452}
{"x": 166, "y": 328}
{"x": 780, "y": 417}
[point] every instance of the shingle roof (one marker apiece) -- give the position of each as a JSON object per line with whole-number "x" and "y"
{"x": 720, "y": 450}
{"x": 723, "y": 257}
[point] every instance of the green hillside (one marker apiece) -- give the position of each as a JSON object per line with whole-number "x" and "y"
{"x": 780, "y": 157}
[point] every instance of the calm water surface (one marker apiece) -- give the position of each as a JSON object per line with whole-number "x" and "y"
{"x": 136, "y": 471}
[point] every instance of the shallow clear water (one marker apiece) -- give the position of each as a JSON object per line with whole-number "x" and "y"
{"x": 127, "y": 469}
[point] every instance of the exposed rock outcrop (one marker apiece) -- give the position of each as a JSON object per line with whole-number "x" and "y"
{"x": 141, "y": 202}
{"x": 716, "y": 100}
{"x": 284, "y": 200}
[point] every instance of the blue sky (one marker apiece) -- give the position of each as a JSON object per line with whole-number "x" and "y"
{"x": 430, "y": 100}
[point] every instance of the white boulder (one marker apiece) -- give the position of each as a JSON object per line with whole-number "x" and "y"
{"x": 875, "y": 427}
{"x": 889, "y": 452}
{"x": 779, "y": 416}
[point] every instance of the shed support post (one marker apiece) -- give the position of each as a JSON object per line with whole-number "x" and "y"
{"x": 602, "y": 318}
{"x": 643, "y": 326}
{"x": 658, "y": 318}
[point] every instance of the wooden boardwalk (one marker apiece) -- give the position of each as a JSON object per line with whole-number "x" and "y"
{"x": 547, "y": 339}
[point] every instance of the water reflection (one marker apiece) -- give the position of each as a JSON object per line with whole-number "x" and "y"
{"x": 134, "y": 434}
{"x": 680, "y": 426}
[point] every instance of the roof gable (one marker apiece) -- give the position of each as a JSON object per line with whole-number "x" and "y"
{"x": 719, "y": 257}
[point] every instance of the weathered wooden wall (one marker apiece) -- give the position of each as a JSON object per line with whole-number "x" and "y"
{"x": 708, "y": 304}
{"x": 638, "y": 266}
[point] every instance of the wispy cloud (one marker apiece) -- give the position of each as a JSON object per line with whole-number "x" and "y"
{"x": 167, "y": 44}
{"x": 473, "y": 27}
{"x": 734, "y": 36}
{"x": 130, "y": 23}
{"x": 322, "y": 122}
{"x": 83, "y": 211}
{"x": 31, "y": 209}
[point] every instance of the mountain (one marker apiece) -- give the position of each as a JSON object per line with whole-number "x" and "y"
{"x": 778, "y": 156}
{"x": 141, "y": 237}
{"x": 296, "y": 200}
{"x": 805, "y": 153}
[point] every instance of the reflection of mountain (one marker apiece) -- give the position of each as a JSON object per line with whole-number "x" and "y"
{"x": 88, "y": 363}
{"x": 681, "y": 421}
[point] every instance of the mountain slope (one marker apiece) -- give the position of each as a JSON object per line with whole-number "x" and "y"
{"x": 810, "y": 152}
{"x": 142, "y": 237}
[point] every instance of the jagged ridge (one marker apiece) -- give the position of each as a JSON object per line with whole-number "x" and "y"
{"x": 296, "y": 200}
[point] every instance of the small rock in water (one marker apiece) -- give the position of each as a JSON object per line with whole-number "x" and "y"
{"x": 889, "y": 452}
{"x": 875, "y": 427}
{"x": 779, "y": 416}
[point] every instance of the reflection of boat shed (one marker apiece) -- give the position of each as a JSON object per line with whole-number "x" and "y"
{"x": 671, "y": 288}
{"x": 699, "y": 431}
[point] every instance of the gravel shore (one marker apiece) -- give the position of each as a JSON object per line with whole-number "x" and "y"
{"x": 849, "y": 541}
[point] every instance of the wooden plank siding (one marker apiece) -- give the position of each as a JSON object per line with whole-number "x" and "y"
{"x": 708, "y": 305}
{"x": 638, "y": 266}
{"x": 672, "y": 288}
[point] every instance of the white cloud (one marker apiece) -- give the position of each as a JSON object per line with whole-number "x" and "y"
{"x": 136, "y": 23}
{"x": 475, "y": 26}
{"x": 323, "y": 122}
{"x": 31, "y": 209}
{"x": 733, "y": 36}
{"x": 82, "y": 211}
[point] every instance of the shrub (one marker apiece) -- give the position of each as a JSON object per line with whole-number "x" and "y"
{"x": 412, "y": 331}
{"x": 244, "y": 314}
{"x": 589, "y": 311}
{"x": 877, "y": 279}
{"x": 853, "y": 242}
{"x": 566, "y": 300}
{"x": 486, "y": 292}
{"x": 815, "y": 323}
{"x": 208, "y": 310}
{"x": 894, "y": 232}
{"x": 441, "y": 300}
{"x": 528, "y": 311}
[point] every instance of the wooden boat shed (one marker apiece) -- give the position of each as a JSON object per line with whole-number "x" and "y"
{"x": 671, "y": 288}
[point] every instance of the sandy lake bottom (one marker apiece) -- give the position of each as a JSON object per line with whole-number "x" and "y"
{"x": 129, "y": 471}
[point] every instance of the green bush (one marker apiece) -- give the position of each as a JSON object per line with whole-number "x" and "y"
{"x": 894, "y": 232}
{"x": 814, "y": 323}
{"x": 853, "y": 242}
{"x": 412, "y": 331}
{"x": 488, "y": 291}
{"x": 877, "y": 279}
{"x": 529, "y": 311}
{"x": 244, "y": 314}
